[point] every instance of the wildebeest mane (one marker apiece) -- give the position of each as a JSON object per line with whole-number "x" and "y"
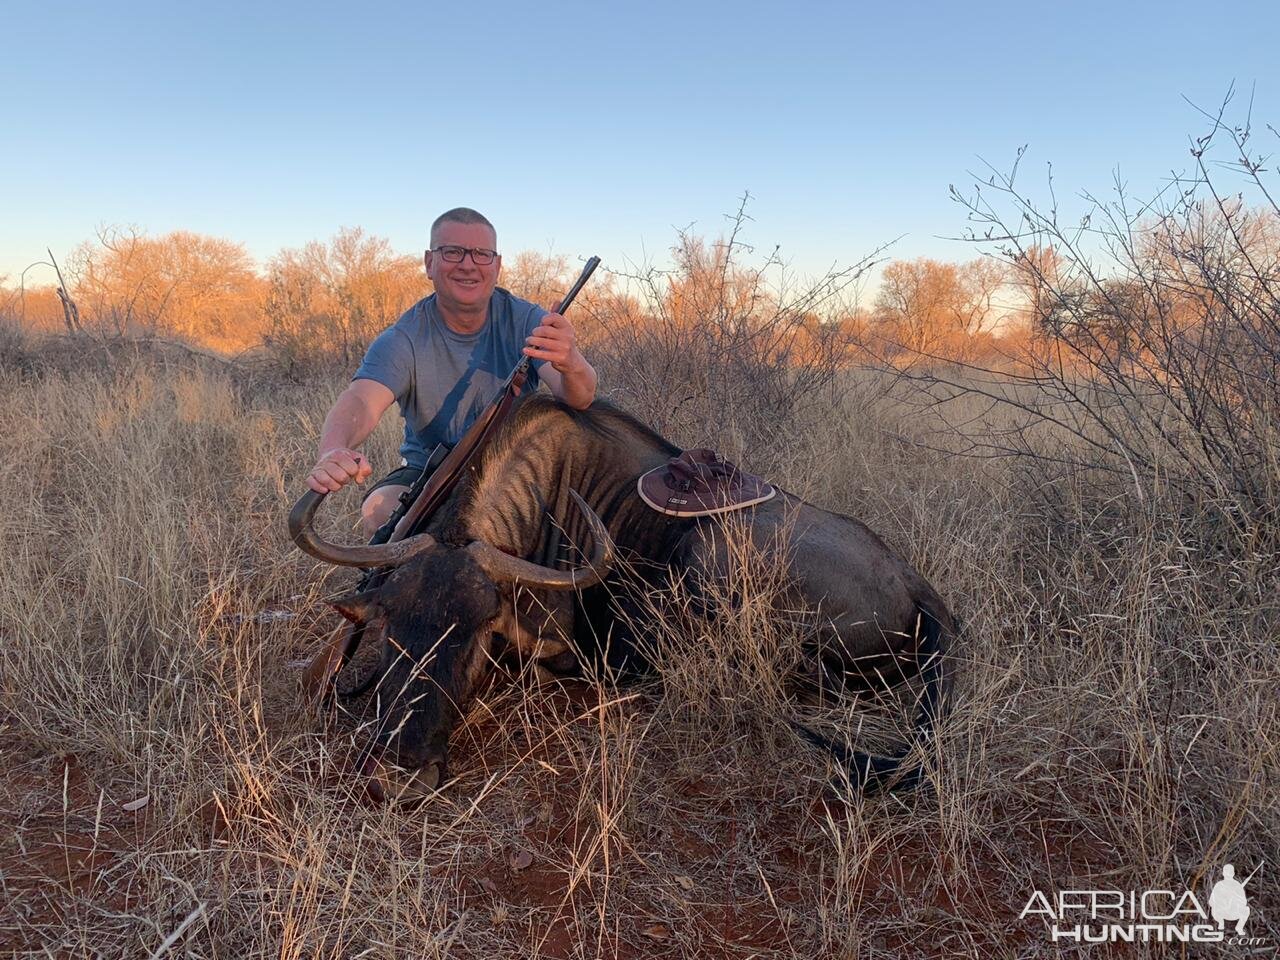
{"x": 602, "y": 421}
{"x": 602, "y": 418}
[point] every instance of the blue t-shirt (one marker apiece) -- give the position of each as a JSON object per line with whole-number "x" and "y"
{"x": 443, "y": 380}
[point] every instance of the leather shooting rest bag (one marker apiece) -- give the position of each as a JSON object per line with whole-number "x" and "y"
{"x": 700, "y": 482}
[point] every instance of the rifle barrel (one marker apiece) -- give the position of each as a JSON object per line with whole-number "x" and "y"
{"x": 579, "y": 284}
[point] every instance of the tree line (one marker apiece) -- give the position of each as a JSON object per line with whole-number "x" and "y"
{"x": 323, "y": 302}
{"x": 331, "y": 297}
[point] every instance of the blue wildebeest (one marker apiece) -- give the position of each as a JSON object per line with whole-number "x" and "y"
{"x": 555, "y": 476}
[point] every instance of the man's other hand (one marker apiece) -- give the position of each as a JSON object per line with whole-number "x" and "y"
{"x": 337, "y": 468}
{"x": 553, "y": 340}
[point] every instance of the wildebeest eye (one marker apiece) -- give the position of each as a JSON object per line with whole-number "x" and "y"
{"x": 357, "y": 607}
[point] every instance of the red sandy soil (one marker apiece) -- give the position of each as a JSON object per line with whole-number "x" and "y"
{"x": 64, "y": 835}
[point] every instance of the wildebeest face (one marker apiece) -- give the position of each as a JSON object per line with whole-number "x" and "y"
{"x": 436, "y": 615}
{"x": 437, "y": 612}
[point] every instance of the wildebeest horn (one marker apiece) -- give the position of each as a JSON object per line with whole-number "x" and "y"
{"x": 374, "y": 555}
{"x": 504, "y": 568}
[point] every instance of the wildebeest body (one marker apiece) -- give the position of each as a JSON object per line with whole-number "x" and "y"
{"x": 878, "y": 616}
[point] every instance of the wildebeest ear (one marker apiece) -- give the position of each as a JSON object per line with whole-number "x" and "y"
{"x": 357, "y": 607}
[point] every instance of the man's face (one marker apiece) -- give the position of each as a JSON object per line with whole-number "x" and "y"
{"x": 464, "y": 284}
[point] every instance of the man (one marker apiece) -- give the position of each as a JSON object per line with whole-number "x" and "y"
{"x": 443, "y": 362}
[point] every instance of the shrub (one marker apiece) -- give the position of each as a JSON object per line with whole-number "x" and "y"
{"x": 715, "y": 348}
{"x": 1157, "y": 353}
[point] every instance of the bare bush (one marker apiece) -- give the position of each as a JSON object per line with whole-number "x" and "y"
{"x": 536, "y": 277}
{"x": 1157, "y": 358}
{"x": 714, "y": 347}
{"x": 129, "y": 285}
{"x": 36, "y": 308}
{"x": 925, "y": 307}
{"x": 326, "y": 302}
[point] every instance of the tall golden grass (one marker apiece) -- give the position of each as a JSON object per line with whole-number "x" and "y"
{"x": 1105, "y": 527}
{"x": 1114, "y": 725}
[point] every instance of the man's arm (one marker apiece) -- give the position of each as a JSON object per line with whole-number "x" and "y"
{"x": 566, "y": 371}
{"x": 348, "y": 424}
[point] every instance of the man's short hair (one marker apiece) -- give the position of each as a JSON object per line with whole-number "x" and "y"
{"x": 461, "y": 215}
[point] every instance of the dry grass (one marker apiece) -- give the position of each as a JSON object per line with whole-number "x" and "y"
{"x": 1115, "y": 722}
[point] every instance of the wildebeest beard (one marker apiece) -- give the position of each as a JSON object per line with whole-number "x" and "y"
{"x": 436, "y": 614}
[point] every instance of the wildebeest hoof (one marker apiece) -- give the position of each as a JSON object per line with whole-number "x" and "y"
{"x": 387, "y": 783}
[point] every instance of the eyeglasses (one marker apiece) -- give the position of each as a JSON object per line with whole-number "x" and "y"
{"x": 479, "y": 255}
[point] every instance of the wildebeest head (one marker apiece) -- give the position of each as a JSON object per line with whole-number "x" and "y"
{"x": 437, "y": 612}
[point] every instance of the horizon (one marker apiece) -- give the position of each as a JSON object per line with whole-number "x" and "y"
{"x": 274, "y": 128}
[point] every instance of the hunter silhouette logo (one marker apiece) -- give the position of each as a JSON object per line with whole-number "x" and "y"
{"x": 1147, "y": 916}
{"x": 1228, "y": 902}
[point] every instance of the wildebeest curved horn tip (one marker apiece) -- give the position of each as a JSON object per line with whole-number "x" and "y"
{"x": 503, "y": 568}
{"x": 356, "y": 606}
{"x": 301, "y": 531}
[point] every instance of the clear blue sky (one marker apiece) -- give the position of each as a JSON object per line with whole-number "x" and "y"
{"x": 593, "y": 128}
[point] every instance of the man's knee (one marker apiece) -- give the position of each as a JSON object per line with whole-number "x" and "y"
{"x": 378, "y": 506}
